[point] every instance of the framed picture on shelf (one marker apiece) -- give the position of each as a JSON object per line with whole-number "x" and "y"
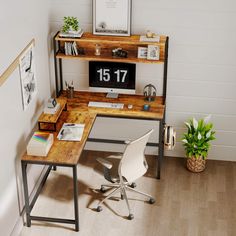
{"x": 142, "y": 52}
{"x": 112, "y": 17}
{"x": 153, "y": 52}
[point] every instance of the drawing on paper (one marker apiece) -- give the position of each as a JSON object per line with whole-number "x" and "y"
{"x": 27, "y": 75}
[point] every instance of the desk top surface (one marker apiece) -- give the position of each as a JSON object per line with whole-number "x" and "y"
{"x": 82, "y": 98}
{"x": 68, "y": 152}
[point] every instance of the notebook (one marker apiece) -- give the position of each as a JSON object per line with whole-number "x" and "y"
{"x": 71, "y": 132}
{"x": 40, "y": 144}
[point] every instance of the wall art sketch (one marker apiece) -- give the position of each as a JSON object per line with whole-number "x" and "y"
{"x": 27, "y": 75}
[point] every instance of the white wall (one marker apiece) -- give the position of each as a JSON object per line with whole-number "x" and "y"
{"x": 201, "y": 73}
{"x": 202, "y": 65}
{"x": 20, "y": 21}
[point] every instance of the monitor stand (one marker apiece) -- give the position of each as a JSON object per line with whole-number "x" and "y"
{"x": 112, "y": 95}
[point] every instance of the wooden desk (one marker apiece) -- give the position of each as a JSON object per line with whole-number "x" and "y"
{"x": 81, "y": 100}
{"x": 62, "y": 153}
{"x": 67, "y": 154}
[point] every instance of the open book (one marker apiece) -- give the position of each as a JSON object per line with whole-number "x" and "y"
{"x": 71, "y": 132}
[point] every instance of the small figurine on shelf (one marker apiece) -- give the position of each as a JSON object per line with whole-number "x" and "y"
{"x": 150, "y": 34}
{"x": 97, "y": 50}
{"x": 119, "y": 52}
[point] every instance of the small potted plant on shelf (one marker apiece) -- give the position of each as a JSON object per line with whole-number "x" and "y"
{"x": 197, "y": 143}
{"x": 71, "y": 24}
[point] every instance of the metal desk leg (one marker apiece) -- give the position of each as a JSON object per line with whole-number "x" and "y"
{"x": 161, "y": 149}
{"x": 75, "y": 183}
{"x": 26, "y": 193}
{"x": 60, "y": 72}
{"x": 54, "y": 168}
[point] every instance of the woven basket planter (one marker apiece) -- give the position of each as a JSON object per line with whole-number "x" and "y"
{"x": 196, "y": 165}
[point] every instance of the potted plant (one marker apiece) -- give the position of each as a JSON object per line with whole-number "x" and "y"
{"x": 71, "y": 24}
{"x": 197, "y": 142}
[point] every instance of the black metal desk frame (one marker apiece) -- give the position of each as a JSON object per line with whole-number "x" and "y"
{"x": 29, "y": 205}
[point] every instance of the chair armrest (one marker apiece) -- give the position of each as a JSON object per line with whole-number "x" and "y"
{"x": 105, "y": 163}
{"x": 128, "y": 141}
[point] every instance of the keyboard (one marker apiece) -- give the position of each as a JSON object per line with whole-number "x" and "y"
{"x": 106, "y": 105}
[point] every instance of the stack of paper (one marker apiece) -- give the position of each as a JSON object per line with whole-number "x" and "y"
{"x": 53, "y": 110}
{"x": 40, "y": 144}
{"x": 71, "y": 132}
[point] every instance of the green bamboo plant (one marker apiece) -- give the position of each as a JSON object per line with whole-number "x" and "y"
{"x": 197, "y": 138}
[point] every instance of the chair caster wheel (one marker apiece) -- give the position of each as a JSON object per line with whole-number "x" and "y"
{"x": 102, "y": 189}
{"x": 130, "y": 216}
{"x": 151, "y": 200}
{"x": 133, "y": 185}
{"x": 99, "y": 208}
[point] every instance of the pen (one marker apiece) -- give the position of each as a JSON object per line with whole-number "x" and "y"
{"x": 61, "y": 133}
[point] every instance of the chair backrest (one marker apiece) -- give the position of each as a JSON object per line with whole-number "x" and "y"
{"x": 133, "y": 163}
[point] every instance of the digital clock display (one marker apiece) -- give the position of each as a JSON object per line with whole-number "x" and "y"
{"x": 112, "y": 75}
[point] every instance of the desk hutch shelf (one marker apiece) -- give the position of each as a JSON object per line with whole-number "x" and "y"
{"x": 107, "y": 44}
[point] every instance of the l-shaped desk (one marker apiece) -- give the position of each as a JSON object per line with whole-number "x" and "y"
{"x": 67, "y": 153}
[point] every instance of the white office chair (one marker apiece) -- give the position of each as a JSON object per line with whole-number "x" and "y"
{"x": 132, "y": 166}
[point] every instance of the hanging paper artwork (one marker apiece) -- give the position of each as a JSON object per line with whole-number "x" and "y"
{"x": 27, "y": 75}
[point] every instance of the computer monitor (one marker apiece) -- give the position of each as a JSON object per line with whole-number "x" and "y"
{"x": 112, "y": 77}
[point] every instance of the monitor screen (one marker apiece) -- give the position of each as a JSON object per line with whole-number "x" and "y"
{"x": 112, "y": 77}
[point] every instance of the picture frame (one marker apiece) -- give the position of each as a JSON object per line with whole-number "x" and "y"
{"x": 153, "y": 52}
{"x": 112, "y": 17}
{"x": 142, "y": 52}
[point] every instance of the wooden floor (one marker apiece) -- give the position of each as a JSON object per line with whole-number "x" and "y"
{"x": 186, "y": 203}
